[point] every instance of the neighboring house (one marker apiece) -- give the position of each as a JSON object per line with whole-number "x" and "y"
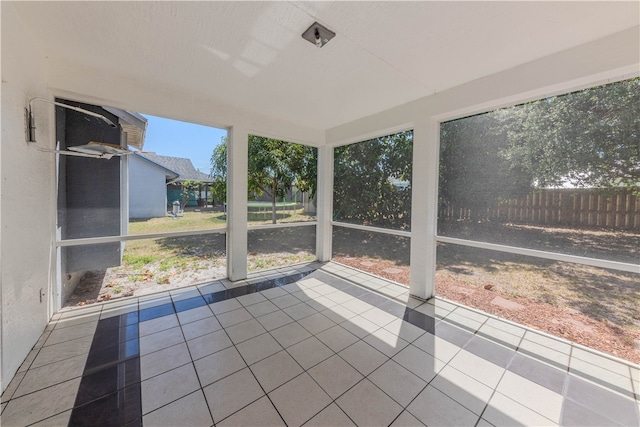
{"x": 148, "y": 187}
{"x": 155, "y": 182}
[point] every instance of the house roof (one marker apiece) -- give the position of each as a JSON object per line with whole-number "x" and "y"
{"x": 250, "y": 56}
{"x": 181, "y": 168}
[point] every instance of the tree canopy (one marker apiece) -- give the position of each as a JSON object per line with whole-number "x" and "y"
{"x": 372, "y": 181}
{"x": 274, "y": 166}
{"x": 588, "y": 139}
{"x": 189, "y": 190}
{"x": 219, "y": 171}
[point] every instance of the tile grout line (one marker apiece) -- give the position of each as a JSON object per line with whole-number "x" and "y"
{"x": 136, "y": 303}
{"x": 198, "y": 376}
{"x": 53, "y": 385}
{"x": 247, "y": 366}
{"x": 233, "y": 345}
{"x": 137, "y": 381}
{"x": 306, "y": 370}
{"x": 542, "y": 333}
{"x": 360, "y": 339}
{"x": 388, "y": 297}
{"x": 30, "y": 366}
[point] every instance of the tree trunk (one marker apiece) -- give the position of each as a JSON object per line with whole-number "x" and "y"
{"x": 273, "y": 203}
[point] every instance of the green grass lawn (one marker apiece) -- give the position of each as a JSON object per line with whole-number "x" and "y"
{"x": 168, "y": 259}
{"x": 191, "y": 221}
{"x": 188, "y": 222}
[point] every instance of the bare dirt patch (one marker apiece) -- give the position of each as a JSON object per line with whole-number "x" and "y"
{"x": 592, "y": 306}
{"x": 561, "y": 321}
{"x": 156, "y": 265}
{"x": 601, "y": 243}
{"x": 595, "y": 307}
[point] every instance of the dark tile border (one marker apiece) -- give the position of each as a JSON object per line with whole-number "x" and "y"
{"x": 602, "y": 401}
{"x": 110, "y": 392}
{"x": 538, "y": 372}
{"x": 574, "y": 414}
{"x": 494, "y": 353}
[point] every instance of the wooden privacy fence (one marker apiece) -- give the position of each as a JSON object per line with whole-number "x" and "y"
{"x": 568, "y": 207}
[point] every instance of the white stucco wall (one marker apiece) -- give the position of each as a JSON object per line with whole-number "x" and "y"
{"x": 147, "y": 189}
{"x": 26, "y": 209}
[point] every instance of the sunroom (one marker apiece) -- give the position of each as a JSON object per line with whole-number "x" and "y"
{"x": 475, "y": 229}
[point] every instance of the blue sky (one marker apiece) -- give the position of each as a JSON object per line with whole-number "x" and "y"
{"x": 180, "y": 139}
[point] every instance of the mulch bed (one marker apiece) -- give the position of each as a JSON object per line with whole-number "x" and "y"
{"x": 563, "y": 322}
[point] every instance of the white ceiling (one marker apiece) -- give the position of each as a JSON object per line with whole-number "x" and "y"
{"x": 251, "y": 54}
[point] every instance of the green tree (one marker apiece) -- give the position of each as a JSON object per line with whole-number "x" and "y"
{"x": 219, "y": 171}
{"x": 274, "y": 166}
{"x": 475, "y": 171}
{"x": 189, "y": 189}
{"x": 589, "y": 138}
{"x": 372, "y": 181}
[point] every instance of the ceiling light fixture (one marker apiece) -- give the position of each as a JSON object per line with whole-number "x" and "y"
{"x": 318, "y": 34}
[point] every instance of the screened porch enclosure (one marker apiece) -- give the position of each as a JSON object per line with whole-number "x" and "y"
{"x": 475, "y": 171}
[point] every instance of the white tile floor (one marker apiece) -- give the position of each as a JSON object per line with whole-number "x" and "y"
{"x": 335, "y": 348}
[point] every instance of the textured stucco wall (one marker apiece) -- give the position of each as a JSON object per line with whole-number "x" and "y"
{"x": 26, "y": 210}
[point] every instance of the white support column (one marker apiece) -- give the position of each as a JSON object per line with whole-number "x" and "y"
{"x": 124, "y": 193}
{"x": 237, "y": 152}
{"x": 424, "y": 203}
{"x": 323, "y": 203}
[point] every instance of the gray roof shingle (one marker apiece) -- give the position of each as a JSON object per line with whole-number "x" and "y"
{"x": 181, "y": 166}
